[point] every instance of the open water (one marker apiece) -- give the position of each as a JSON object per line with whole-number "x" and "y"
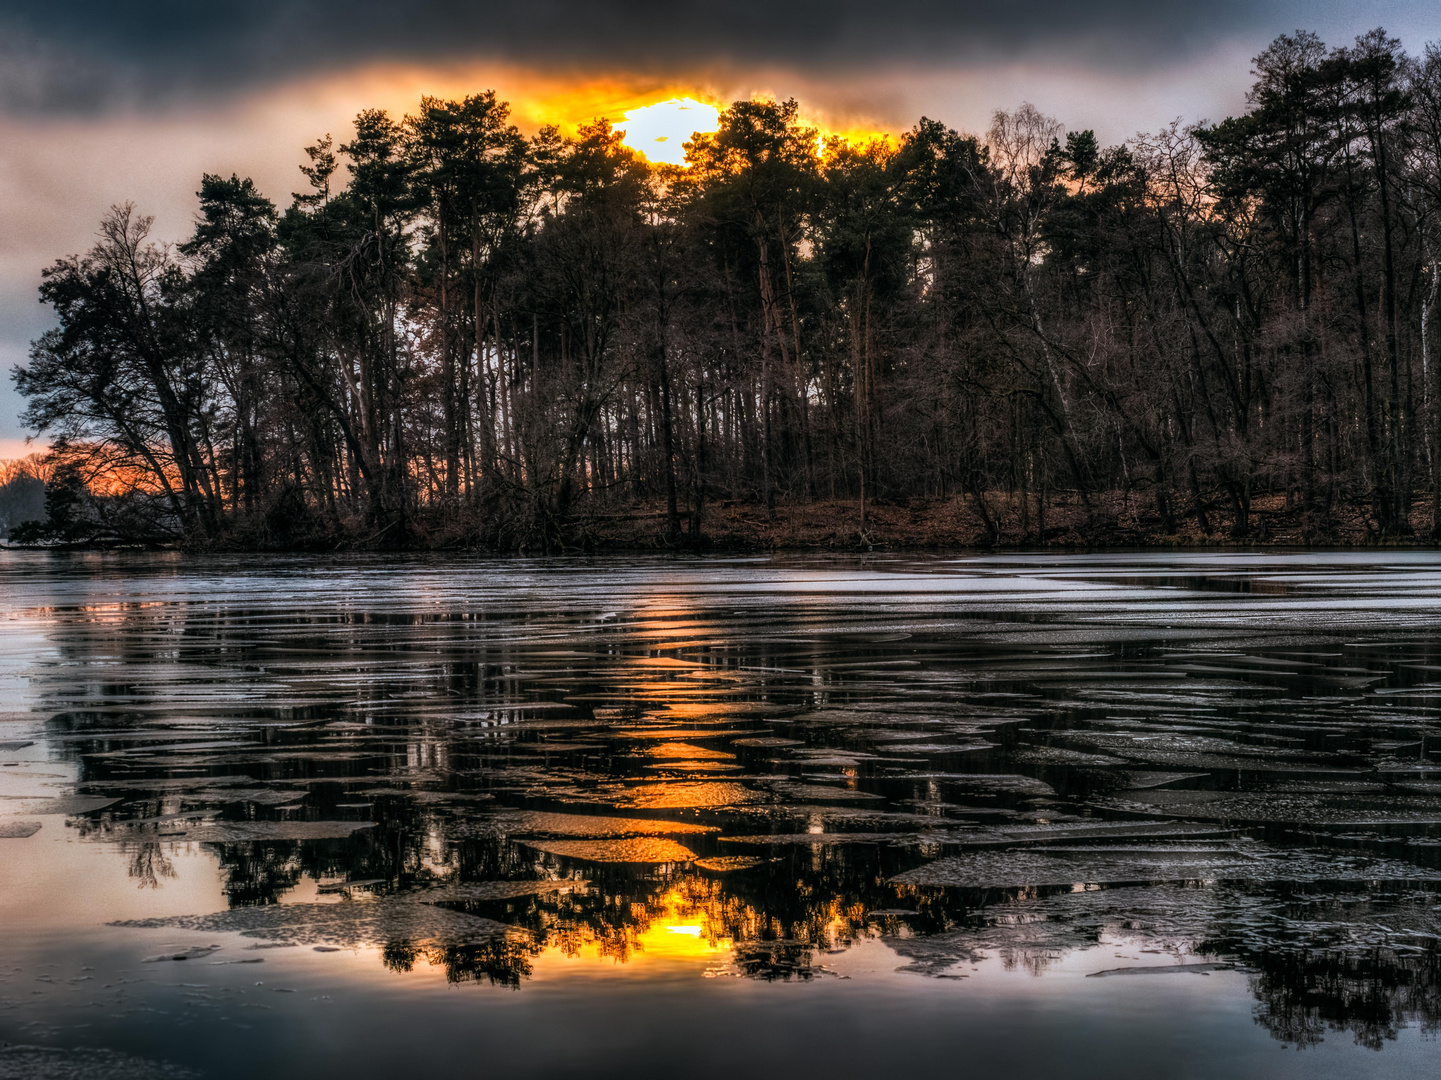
{"x": 1123, "y": 815}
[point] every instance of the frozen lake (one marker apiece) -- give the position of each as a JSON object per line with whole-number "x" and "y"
{"x": 1119, "y": 815}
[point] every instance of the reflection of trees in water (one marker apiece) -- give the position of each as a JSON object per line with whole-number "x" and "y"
{"x": 1365, "y": 961}
{"x": 612, "y": 917}
{"x": 1361, "y": 959}
{"x": 776, "y": 918}
{"x": 260, "y": 873}
{"x": 773, "y": 961}
{"x": 149, "y": 863}
{"x": 608, "y": 917}
{"x": 779, "y": 917}
{"x": 502, "y": 961}
{"x": 1301, "y": 994}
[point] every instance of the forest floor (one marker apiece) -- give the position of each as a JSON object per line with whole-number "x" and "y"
{"x": 955, "y": 523}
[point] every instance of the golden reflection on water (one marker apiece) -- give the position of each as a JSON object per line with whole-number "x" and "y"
{"x": 688, "y": 751}
{"x": 697, "y": 921}
{"x": 679, "y": 931}
{"x": 692, "y": 924}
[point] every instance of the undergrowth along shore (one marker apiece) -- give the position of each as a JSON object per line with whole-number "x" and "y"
{"x": 956, "y": 524}
{"x": 952, "y": 524}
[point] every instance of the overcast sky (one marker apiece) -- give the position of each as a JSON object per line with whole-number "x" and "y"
{"x": 103, "y": 101}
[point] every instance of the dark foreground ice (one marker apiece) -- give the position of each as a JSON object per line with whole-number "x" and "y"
{"x": 309, "y": 817}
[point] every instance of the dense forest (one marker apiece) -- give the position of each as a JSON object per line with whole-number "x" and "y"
{"x": 461, "y": 335}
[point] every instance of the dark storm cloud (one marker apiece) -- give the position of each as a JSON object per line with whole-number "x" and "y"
{"x": 57, "y": 55}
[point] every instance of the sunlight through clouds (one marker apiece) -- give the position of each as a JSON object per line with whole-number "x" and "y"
{"x": 660, "y": 131}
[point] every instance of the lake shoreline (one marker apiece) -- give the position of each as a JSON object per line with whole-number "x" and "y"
{"x": 961, "y": 524}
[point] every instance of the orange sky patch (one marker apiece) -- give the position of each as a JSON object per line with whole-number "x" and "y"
{"x": 537, "y": 98}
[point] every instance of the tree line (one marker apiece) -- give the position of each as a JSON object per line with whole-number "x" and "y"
{"x": 458, "y": 334}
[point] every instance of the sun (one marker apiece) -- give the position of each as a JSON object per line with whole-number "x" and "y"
{"x": 660, "y": 131}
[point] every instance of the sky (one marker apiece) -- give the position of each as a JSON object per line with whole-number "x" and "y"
{"x": 104, "y": 102}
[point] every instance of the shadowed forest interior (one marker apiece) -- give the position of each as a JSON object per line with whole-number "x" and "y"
{"x": 460, "y": 335}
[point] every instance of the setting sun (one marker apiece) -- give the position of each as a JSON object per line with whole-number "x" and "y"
{"x": 660, "y": 131}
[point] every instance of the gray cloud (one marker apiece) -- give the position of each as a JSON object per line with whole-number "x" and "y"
{"x": 85, "y": 54}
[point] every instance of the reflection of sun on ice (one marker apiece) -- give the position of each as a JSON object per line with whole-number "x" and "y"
{"x": 660, "y": 131}
{"x": 679, "y": 933}
{"x": 681, "y": 926}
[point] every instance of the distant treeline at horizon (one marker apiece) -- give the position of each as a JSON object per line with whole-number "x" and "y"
{"x": 460, "y": 335}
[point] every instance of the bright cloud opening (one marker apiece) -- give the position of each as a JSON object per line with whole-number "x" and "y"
{"x": 660, "y": 131}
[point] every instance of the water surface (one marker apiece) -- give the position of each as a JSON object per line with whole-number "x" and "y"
{"x": 1122, "y": 815}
